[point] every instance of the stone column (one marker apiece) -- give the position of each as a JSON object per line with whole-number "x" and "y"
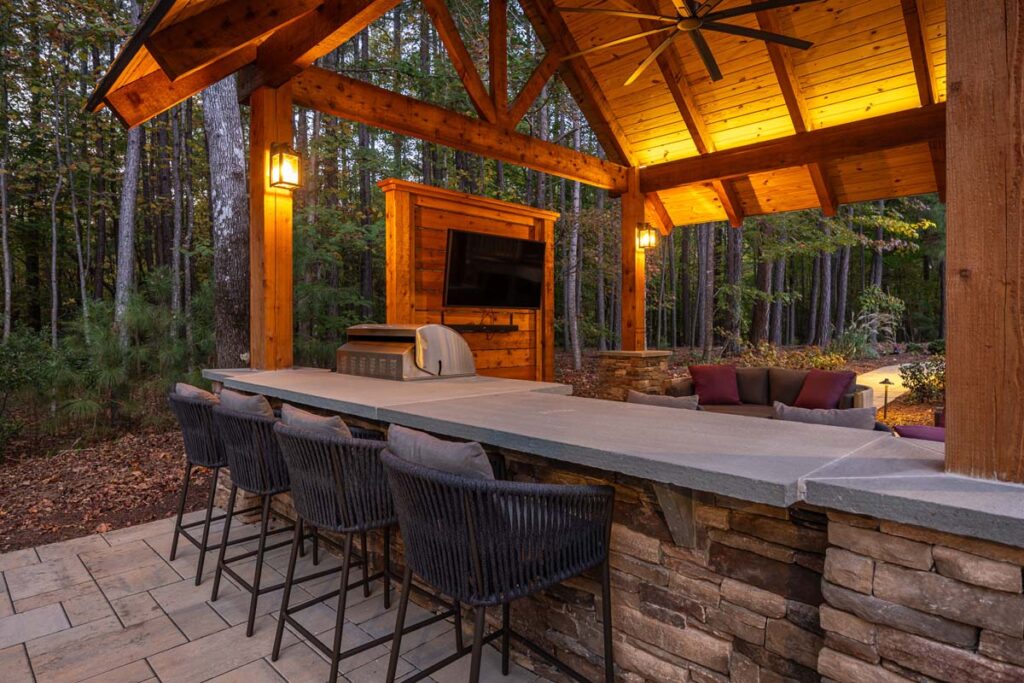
{"x": 620, "y": 371}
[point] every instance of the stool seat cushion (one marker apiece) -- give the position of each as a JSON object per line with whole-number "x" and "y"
{"x": 466, "y": 459}
{"x": 329, "y": 425}
{"x": 682, "y": 402}
{"x": 246, "y": 403}
{"x": 190, "y": 391}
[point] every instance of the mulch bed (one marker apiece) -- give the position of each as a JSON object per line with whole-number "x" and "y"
{"x": 130, "y": 480}
{"x": 903, "y": 411}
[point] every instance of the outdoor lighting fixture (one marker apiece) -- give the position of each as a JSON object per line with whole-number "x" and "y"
{"x": 285, "y": 167}
{"x": 885, "y": 401}
{"x": 646, "y": 236}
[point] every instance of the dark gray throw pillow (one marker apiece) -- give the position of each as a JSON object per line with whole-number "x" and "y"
{"x": 329, "y": 425}
{"x": 682, "y": 402}
{"x": 854, "y": 418}
{"x": 464, "y": 458}
{"x": 245, "y": 403}
{"x": 190, "y": 391}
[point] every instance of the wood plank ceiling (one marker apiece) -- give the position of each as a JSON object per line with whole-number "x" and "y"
{"x": 870, "y": 58}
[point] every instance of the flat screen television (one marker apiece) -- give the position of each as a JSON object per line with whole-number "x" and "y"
{"x": 488, "y": 271}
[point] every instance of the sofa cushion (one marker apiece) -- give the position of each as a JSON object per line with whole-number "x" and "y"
{"x": 784, "y": 384}
{"x": 745, "y": 410}
{"x": 246, "y": 403}
{"x": 822, "y": 389}
{"x": 753, "y": 385}
{"x": 190, "y": 391}
{"x": 854, "y": 418}
{"x": 715, "y": 384}
{"x": 329, "y": 425}
{"x": 923, "y": 432}
{"x": 466, "y": 459}
{"x": 682, "y": 402}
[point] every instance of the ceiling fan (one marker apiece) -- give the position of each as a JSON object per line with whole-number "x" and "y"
{"x": 692, "y": 17}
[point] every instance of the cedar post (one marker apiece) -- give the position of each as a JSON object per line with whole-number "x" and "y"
{"x": 985, "y": 244}
{"x": 634, "y": 281}
{"x": 270, "y": 234}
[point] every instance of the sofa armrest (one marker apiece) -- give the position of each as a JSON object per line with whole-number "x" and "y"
{"x": 860, "y": 396}
{"x": 680, "y": 386}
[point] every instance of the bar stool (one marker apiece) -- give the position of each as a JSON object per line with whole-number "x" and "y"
{"x": 257, "y": 467}
{"x": 202, "y": 449}
{"x": 486, "y": 543}
{"x": 338, "y": 484}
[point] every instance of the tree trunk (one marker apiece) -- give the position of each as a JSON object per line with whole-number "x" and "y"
{"x": 687, "y": 328}
{"x": 878, "y": 262}
{"x": 123, "y": 282}
{"x": 759, "y": 326}
{"x": 602, "y": 318}
{"x": 812, "y": 322}
{"x": 229, "y": 212}
{"x": 8, "y": 266}
{"x": 825, "y": 315}
{"x": 778, "y": 288}
{"x": 177, "y": 215}
{"x": 842, "y": 290}
{"x": 734, "y": 273}
{"x": 709, "y": 292}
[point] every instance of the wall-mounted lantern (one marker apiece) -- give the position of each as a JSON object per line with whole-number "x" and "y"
{"x": 646, "y": 236}
{"x": 285, "y": 167}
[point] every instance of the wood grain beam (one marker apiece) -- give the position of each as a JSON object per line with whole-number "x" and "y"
{"x": 730, "y": 199}
{"x": 355, "y": 100}
{"x": 497, "y": 61}
{"x": 796, "y": 104}
{"x": 823, "y": 144}
{"x": 634, "y": 267}
{"x": 461, "y": 59}
{"x": 531, "y": 90}
{"x": 924, "y": 76}
{"x": 296, "y": 46}
{"x": 556, "y": 37}
{"x": 657, "y": 207}
{"x": 208, "y": 36}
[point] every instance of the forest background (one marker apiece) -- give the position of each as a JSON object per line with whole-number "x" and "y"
{"x": 125, "y": 253}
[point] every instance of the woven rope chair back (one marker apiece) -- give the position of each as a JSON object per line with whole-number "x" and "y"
{"x": 490, "y": 542}
{"x": 251, "y": 451}
{"x": 338, "y": 483}
{"x": 202, "y": 442}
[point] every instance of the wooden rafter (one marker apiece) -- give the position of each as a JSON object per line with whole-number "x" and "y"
{"x": 208, "y": 36}
{"x": 542, "y": 73}
{"x": 296, "y": 46}
{"x": 355, "y": 100}
{"x": 461, "y": 59}
{"x": 899, "y": 129}
{"x": 785, "y": 74}
{"x": 657, "y": 207}
{"x": 497, "y": 28}
{"x": 924, "y": 75}
{"x": 578, "y": 78}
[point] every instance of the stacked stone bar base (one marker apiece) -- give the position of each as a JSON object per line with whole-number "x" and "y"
{"x": 773, "y": 595}
{"x": 620, "y": 371}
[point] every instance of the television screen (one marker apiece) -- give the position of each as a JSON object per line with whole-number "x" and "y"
{"x": 487, "y": 271}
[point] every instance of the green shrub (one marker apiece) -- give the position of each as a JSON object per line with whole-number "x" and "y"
{"x": 767, "y": 355}
{"x": 925, "y": 380}
{"x": 25, "y": 360}
{"x": 937, "y": 347}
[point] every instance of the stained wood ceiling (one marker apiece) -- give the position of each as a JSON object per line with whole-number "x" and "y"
{"x": 871, "y": 58}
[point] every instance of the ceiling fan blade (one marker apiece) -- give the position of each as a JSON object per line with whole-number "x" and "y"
{"x": 707, "y": 7}
{"x": 754, "y": 7}
{"x": 620, "y": 41}
{"x": 621, "y": 13}
{"x": 651, "y": 57}
{"x": 757, "y": 34}
{"x": 705, "y": 54}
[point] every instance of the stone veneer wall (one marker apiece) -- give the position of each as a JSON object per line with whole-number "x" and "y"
{"x": 620, "y": 371}
{"x": 910, "y": 604}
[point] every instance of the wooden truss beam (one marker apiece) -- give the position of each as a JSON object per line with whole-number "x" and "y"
{"x": 461, "y": 59}
{"x": 785, "y": 74}
{"x": 898, "y": 129}
{"x": 206, "y": 37}
{"x": 657, "y": 207}
{"x": 355, "y": 100}
{"x": 542, "y": 73}
{"x": 924, "y": 75}
{"x": 497, "y": 62}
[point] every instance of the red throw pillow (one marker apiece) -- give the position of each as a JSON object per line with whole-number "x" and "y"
{"x": 822, "y": 390}
{"x": 715, "y": 384}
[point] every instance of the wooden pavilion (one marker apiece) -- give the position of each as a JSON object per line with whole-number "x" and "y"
{"x": 861, "y": 115}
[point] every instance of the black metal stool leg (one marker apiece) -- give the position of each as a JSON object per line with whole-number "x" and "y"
{"x": 223, "y": 543}
{"x": 292, "y": 559}
{"x": 339, "y": 624}
{"x": 478, "y": 644}
{"x": 302, "y": 537}
{"x": 387, "y": 567}
{"x": 316, "y": 547}
{"x": 206, "y": 526}
{"x": 366, "y": 566}
{"x": 181, "y": 508}
{"x": 396, "y": 644}
{"x": 265, "y": 523}
{"x": 606, "y": 613}
{"x": 505, "y": 619}
{"x": 459, "y": 644}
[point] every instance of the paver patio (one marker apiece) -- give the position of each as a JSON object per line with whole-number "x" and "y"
{"x": 111, "y": 608}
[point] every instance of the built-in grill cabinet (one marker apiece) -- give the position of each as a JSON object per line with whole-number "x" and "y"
{"x": 405, "y": 352}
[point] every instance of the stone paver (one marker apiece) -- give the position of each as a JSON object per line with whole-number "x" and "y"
{"x": 110, "y": 608}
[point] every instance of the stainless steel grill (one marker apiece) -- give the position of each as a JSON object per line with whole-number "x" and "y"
{"x": 405, "y": 352}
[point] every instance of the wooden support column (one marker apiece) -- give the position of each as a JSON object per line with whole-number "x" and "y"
{"x": 270, "y": 234}
{"x": 634, "y": 279}
{"x": 985, "y": 240}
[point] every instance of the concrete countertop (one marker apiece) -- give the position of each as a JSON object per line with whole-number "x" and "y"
{"x": 763, "y": 461}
